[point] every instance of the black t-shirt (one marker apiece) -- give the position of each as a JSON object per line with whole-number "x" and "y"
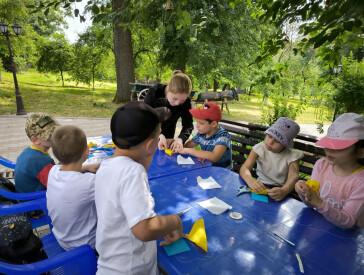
{"x": 156, "y": 98}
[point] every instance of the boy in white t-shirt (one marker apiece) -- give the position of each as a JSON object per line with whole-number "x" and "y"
{"x": 70, "y": 192}
{"x": 127, "y": 224}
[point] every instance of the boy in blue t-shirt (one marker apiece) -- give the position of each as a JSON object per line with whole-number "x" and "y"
{"x": 214, "y": 141}
{"x": 33, "y": 164}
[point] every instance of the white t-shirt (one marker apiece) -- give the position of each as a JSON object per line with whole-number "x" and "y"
{"x": 71, "y": 206}
{"x": 272, "y": 168}
{"x": 123, "y": 199}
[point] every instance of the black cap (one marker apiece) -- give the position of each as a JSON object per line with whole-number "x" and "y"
{"x": 134, "y": 122}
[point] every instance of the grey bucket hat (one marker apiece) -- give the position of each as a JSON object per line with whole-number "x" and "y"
{"x": 284, "y": 130}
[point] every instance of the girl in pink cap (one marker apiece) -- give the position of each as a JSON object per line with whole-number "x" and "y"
{"x": 341, "y": 174}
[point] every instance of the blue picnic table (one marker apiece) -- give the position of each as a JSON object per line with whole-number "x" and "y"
{"x": 251, "y": 245}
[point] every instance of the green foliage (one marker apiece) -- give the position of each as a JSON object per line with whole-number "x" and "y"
{"x": 90, "y": 50}
{"x": 325, "y": 25}
{"x": 55, "y": 55}
{"x": 281, "y": 108}
{"x": 349, "y": 85}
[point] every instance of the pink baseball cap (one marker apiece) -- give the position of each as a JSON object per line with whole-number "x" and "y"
{"x": 346, "y": 130}
{"x": 209, "y": 110}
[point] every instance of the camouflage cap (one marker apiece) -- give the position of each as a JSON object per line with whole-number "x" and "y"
{"x": 41, "y": 125}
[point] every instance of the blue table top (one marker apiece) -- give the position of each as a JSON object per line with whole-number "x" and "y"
{"x": 250, "y": 245}
{"x": 162, "y": 164}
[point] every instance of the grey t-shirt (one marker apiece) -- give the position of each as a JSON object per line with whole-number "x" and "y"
{"x": 272, "y": 168}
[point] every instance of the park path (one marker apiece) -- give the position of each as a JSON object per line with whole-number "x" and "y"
{"x": 13, "y": 139}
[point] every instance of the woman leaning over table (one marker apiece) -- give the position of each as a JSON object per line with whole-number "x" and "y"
{"x": 176, "y": 97}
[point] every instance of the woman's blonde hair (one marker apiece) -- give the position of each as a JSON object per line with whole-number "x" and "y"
{"x": 180, "y": 83}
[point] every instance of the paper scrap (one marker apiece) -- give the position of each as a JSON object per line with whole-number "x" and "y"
{"x": 215, "y": 206}
{"x": 300, "y": 263}
{"x": 176, "y": 247}
{"x": 208, "y": 183}
{"x": 168, "y": 152}
{"x": 259, "y": 197}
{"x": 198, "y": 234}
{"x": 182, "y": 160}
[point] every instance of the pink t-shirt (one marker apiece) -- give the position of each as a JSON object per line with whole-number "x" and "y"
{"x": 343, "y": 197}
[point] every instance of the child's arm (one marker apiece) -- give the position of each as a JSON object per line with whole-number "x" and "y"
{"x": 159, "y": 227}
{"x": 279, "y": 193}
{"x": 345, "y": 217}
{"x": 190, "y": 144}
{"x": 254, "y": 184}
{"x": 213, "y": 156}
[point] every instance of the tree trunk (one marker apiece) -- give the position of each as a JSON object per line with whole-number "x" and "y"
{"x": 124, "y": 61}
{"x": 1, "y": 79}
{"x": 216, "y": 85}
{"x": 93, "y": 79}
{"x": 62, "y": 78}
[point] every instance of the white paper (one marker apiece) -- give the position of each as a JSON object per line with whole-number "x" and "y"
{"x": 182, "y": 160}
{"x": 208, "y": 183}
{"x": 215, "y": 206}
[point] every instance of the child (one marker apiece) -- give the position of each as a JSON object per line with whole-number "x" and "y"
{"x": 340, "y": 174}
{"x": 277, "y": 163}
{"x": 70, "y": 192}
{"x": 174, "y": 96}
{"x": 127, "y": 225}
{"x": 33, "y": 164}
{"x": 215, "y": 142}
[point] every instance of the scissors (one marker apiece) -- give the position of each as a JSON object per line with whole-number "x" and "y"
{"x": 184, "y": 211}
{"x": 201, "y": 160}
{"x": 243, "y": 189}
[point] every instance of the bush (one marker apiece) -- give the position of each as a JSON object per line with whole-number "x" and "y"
{"x": 349, "y": 86}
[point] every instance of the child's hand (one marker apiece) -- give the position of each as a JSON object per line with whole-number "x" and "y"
{"x": 257, "y": 186}
{"x": 277, "y": 193}
{"x": 311, "y": 196}
{"x": 173, "y": 237}
{"x": 90, "y": 168}
{"x": 176, "y": 144}
{"x": 301, "y": 187}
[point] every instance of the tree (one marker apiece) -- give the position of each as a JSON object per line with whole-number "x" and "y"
{"x": 90, "y": 50}
{"x": 55, "y": 55}
{"x": 324, "y": 25}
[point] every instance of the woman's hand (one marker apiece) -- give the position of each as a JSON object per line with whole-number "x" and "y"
{"x": 162, "y": 144}
{"x": 177, "y": 143}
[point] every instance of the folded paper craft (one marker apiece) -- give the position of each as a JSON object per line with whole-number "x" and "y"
{"x": 198, "y": 234}
{"x": 168, "y": 152}
{"x": 314, "y": 185}
{"x": 264, "y": 192}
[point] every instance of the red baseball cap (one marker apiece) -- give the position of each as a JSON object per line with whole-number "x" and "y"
{"x": 209, "y": 110}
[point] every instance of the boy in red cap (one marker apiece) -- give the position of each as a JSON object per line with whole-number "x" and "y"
{"x": 214, "y": 141}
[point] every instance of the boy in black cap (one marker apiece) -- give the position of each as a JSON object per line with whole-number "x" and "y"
{"x": 127, "y": 224}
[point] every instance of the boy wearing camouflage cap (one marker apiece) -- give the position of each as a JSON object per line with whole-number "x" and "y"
{"x": 33, "y": 164}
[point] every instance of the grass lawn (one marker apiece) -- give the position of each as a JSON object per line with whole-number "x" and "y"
{"x": 44, "y": 93}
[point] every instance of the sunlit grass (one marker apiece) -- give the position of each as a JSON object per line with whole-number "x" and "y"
{"x": 44, "y": 93}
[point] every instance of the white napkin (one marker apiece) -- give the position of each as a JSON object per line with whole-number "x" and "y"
{"x": 208, "y": 183}
{"x": 215, "y": 205}
{"x": 182, "y": 160}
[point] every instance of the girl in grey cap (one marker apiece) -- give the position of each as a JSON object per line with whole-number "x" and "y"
{"x": 277, "y": 163}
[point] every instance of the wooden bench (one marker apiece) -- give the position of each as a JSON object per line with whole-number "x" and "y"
{"x": 245, "y": 135}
